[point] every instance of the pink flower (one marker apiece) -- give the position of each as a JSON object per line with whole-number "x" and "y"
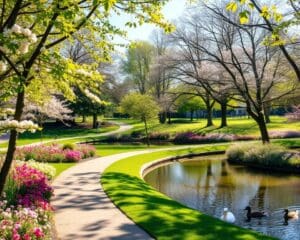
{"x": 26, "y": 236}
{"x": 16, "y": 236}
{"x": 38, "y": 232}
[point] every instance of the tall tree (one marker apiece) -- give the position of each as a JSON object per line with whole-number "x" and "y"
{"x": 137, "y": 64}
{"x": 30, "y": 37}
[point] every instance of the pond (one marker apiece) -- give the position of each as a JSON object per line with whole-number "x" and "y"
{"x": 209, "y": 184}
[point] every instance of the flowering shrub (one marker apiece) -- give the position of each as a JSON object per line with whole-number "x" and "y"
{"x": 190, "y": 137}
{"x": 34, "y": 189}
{"x": 54, "y": 153}
{"x": 86, "y": 150}
{"x": 72, "y": 155}
{"x": 18, "y": 223}
{"x": 25, "y": 210}
{"x": 45, "y": 168}
{"x": 284, "y": 134}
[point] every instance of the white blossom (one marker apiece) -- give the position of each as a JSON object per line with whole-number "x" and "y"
{"x": 3, "y": 66}
{"x": 26, "y": 32}
{"x": 21, "y": 126}
{"x": 92, "y": 96}
{"x": 17, "y": 29}
{"x": 33, "y": 38}
{"x": 83, "y": 72}
{"x": 24, "y": 47}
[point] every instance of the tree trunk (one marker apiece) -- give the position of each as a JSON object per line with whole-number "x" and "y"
{"x": 83, "y": 118}
{"x": 223, "y": 115}
{"x": 192, "y": 115}
{"x": 146, "y": 131}
{"x": 169, "y": 118}
{"x": 12, "y": 142}
{"x": 267, "y": 110}
{"x": 263, "y": 128}
{"x": 209, "y": 115}
{"x": 162, "y": 117}
{"x": 95, "y": 120}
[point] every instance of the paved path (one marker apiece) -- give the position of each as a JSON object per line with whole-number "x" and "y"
{"x": 84, "y": 211}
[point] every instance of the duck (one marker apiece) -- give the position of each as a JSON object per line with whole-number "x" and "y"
{"x": 251, "y": 214}
{"x": 227, "y": 216}
{"x": 290, "y": 214}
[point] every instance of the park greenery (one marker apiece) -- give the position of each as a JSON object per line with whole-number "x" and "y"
{"x": 224, "y": 73}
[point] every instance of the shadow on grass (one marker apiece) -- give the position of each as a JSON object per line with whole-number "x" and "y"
{"x": 165, "y": 218}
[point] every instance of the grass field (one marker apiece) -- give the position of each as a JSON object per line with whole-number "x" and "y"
{"x": 80, "y": 134}
{"x": 240, "y": 126}
{"x": 159, "y": 215}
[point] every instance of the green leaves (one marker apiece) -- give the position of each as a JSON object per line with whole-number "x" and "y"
{"x": 232, "y": 7}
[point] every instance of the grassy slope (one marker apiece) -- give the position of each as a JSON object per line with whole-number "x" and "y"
{"x": 159, "y": 215}
{"x": 243, "y": 126}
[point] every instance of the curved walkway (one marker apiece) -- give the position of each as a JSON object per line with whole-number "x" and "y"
{"x": 84, "y": 211}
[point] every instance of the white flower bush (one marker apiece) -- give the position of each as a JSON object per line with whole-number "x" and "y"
{"x": 21, "y": 126}
{"x": 92, "y": 96}
{"x": 84, "y": 73}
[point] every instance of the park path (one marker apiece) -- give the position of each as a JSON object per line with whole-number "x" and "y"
{"x": 84, "y": 211}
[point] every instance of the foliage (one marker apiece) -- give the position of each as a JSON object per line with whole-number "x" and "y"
{"x": 45, "y": 168}
{"x": 70, "y": 146}
{"x": 54, "y": 153}
{"x": 262, "y": 155}
{"x": 159, "y": 136}
{"x": 139, "y": 106}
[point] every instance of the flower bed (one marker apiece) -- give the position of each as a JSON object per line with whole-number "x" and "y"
{"x": 25, "y": 210}
{"x": 193, "y": 138}
{"x": 54, "y": 153}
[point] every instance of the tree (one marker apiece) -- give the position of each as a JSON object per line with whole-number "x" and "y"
{"x": 31, "y": 33}
{"x": 137, "y": 64}
{"x": 187, "y": 103}
{"x": 54, "y": 109}
{"x": 141, "y": 107}
{"x": 278, "y": 23}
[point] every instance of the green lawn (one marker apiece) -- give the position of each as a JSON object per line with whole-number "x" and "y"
{"x": 243, "y": 126}
{"x": 60, "y": 167}
{"x": 80, "y": 134}
{"x": 159, "y": 215}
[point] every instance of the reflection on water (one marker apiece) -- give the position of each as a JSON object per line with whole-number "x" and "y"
{"x": 210, "y": 185}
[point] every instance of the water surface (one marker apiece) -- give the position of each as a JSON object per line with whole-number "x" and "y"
{"x": 209, "y": 184}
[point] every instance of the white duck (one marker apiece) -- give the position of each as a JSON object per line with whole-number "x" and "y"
{"x": 227, "y": 216}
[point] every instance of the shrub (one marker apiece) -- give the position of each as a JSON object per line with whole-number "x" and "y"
{"x": 190, "y": 137}
{"x": 86, "y": 150}
{"x": 72, "y": 156}
{"x": 262, "y": 154}
{"x": 284, "y": 134}
{"x": 136, "y": 134}
{"x": 54, "y": 153}
{"x": 69, "y": 146}
{"x": 159, "y": 136}
{"x": 34, "y": 189}
{"x": 45, "y": 168}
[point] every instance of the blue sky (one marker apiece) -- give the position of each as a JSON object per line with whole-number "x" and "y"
{"x": 171, "y": 10}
